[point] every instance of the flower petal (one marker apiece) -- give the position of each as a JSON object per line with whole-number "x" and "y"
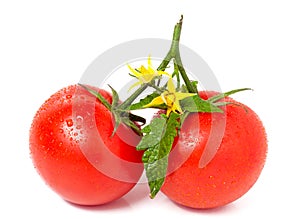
{"x": 171, "y": 86}
{"x": 180, "y": 96}
{"x": 151, "y": 71}
{"x": 134, "y": 72}
{"x": 146, "y": 78}
{"x": 149, "y": 61}
{"x": 143, "y": 70}
{"x": 155, "y": 102}
{"x": 163, "y": 73}
{"x": 169, "y": 110}
{"x": 176, "y": 107}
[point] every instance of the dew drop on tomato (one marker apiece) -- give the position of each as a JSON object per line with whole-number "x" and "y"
{"x": 50, "y": 120}
{"x": 41, "y": 137}
{"x": 69, "y": 122}
{"x": 79, "y": 119}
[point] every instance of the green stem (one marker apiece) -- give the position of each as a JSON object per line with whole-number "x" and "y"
{"x": 174, "y": 50}
{"x": 176, "y": 73}
{"x": 163, "y": 65}
{"x": 174, "y": 46}
{"x": 174, "y": 53}
{"x": 133, "y": 96}
{"x": 189, "y": 85}
{"x": 176, "y": 38}
{"x": 156, "y": 87}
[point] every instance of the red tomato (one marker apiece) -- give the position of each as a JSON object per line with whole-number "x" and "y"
{"x": 234, "y": 168}
{"x": 73, "y": 151}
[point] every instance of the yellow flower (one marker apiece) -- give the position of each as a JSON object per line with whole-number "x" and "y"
{"x": 145, "y": 75}
{"x": 171, "y": 98}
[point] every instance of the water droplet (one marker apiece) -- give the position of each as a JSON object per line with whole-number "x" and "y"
{"x": 61, "y": 130}
{"x": 50, "y": 120}
{"x": 69, "y": 96}
{"x": 79, "y": 119}
{"x": 71, "y": 139}
{"x": 69, "y": 122}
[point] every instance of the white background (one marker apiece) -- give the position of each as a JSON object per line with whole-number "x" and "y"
{"x": 45, "y": 46}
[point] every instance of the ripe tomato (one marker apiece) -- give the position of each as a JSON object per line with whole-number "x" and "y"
{"x": 73, "y": 151}
{"x": 234, "y": 168}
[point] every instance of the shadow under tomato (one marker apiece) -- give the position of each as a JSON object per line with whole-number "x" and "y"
{"x": 218, "y": 210}
{"x": 139, "y": 192}
{"x": 117, "y": 204}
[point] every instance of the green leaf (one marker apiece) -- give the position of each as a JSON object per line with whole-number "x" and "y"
{"x": 220, "y": 96}
{"x": 115, "y": 97}
{"x": 98, "y": 96}
{"x": 143, "y": 101}
{"x": 153, "y": 134}
{"x": 197, "y": 104}
{"x": 118, "y": 121}
{"x": 157, "y": 143}
{"x": 231, "y": 103}
{"x": 132, "y": 125}
{"x": 184, "y": 88}
{"x": 116, "y": 114}
{"x": 146, "y": 129}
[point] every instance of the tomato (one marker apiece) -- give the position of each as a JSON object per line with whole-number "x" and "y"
{"x": 234, "y": 168}
{"x": 73, "y": 151}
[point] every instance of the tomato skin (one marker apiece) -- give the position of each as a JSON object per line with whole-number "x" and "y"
{"x": 233, "y": 170}
{"x": 70, "y": 141}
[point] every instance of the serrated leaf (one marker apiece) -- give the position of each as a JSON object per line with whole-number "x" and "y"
{"x": 143, "y": 101}
{"x": 157, "y": 144}
{"x": 153, "y": 134}
{"x": 197, "y": 104}
{"x": 146, "y": 129}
